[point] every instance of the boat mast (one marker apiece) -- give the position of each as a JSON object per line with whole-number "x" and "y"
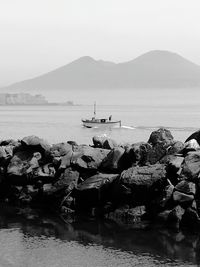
{"x": 95, "y": 109}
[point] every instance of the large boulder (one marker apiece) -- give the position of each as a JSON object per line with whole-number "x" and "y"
{"x": 6, "y": 153}
{"x": 95, "y": 191}
{"x": 60, "y": 149}
{"x": 104, "y": 142}
{"x": 157, "y": 152}
{"x": 67, "y": 181}
{"x": 24, "y": 168}
{"x": 191, "y": 166}
{"x": 175, "y": 147}
{"x": 140, "y": 183}
{"x": 21, "y": 165}
{"x": 36, "y": 144}
{"x": 111, "y": 163}
{"x": 135, "y": 154}
{"x": 88, "y": 158}
{"x": 160, "y": 135}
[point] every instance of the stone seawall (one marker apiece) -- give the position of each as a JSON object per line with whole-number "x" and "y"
{"x": 132, "y": 184}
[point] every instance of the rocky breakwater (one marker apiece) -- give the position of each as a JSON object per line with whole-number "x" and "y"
{"x": 132, "y": 184}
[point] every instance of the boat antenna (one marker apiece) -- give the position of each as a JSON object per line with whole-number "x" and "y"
{"x": 95, "y": 109}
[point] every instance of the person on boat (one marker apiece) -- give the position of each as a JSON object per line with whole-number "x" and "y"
{"x": 110, "y": 118}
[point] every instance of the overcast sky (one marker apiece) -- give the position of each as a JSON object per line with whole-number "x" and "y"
{"x": 40, "y": 35}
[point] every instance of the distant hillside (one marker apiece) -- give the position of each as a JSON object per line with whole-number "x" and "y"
{"x": 157, "y": 69}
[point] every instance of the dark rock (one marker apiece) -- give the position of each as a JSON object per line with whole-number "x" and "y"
{"x": 109, "y": 144}
{"x": 45, "y": 173}
{"x": 104, "y": 142}
{"x": 175, "y": 147}
{"x": 180, "y": 197}
{"x": 143, "y": 181}
{"x": 98, "y": 141}
{"x": 158, "y": 151}
{"x": 88, "y": 158}
{"x": 135, "y": 154}
{"x": 186, "y": 187}
{"x": 6, "y": 152}
{"x": 21, "y": 165}
{"x": 112, "y": 162}
{"x": 159, "y": 136}
{"x": 95, "y": 191}
{"x": 37, "y": 144}
{"x": 174, "y": 165}
{"x": 191, "y": 166}
{"x": 10, "y": 142}
{"x": 61, "y": 149}
{"x": 167, "y": 195}
{"x": 67, "y": 181}
{"x": 195, "y": 135}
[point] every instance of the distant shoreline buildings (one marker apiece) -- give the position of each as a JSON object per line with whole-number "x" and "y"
{"x": 27, "y": 99}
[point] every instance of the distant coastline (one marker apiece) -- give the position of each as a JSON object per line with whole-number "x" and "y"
{"x": 25, "y": 99}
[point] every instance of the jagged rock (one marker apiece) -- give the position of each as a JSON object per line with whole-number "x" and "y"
{"x": 98, "y": 141}
{"x": 60, "y": 149}
{"x": 157, "y": 152}
{"x": 67, "y": 181}
{"x": 109, "y": 144}
{"x": 182, "y": 198}
{"x": 37, "y": 144}
{"x": 45, "y": 173}
{"x": 125, "y": 215}
{"x": 135, "y": 154}
{"x": 191, "y": 166}
{"x": 186, "y": 187}
{"x": 21, "y": 165}
{"x": 195, "y": 135}
{"x": 6, "y": 152}
{"x": 167, "y": 195}
{"x": 95, "y": 191}
{"x": 111, "y": 163}
{"x": 159, "y": 136}
{"x": 10, "y": 142}
{"x": 104, "y": 142}
{"x": 174, "y": 165}
{"x": 142, "y": 181}
{"x": 88, "y": 158}
{"x": 175, "y": 147}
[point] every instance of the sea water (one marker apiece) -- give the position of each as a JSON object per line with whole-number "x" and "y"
{"x": 30, "y": 238}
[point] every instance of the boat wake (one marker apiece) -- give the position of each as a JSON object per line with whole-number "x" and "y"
{"x": 128, "y": 127}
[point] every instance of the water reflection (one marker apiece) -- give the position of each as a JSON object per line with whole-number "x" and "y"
{"x": 33, "y": 238}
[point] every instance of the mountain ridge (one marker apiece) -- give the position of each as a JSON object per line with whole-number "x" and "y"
{"x": 157, "y": 68}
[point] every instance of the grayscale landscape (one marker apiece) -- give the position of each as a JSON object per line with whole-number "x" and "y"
{"x": 99, "y": 133}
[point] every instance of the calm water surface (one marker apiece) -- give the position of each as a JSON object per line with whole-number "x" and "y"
{"x": 33, "y": 238}
{"x": 63, "y": 123}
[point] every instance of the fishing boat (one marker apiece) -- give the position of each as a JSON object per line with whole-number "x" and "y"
{"x": 97, "y": 122}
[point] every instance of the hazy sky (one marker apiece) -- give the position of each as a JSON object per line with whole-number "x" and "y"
{"x": 40, "y": 35}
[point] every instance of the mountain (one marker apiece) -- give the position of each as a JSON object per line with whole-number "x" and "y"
{"x": 155, "y": 69}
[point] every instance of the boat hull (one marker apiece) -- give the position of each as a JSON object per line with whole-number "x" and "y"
{"x": 93, "y": 124}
